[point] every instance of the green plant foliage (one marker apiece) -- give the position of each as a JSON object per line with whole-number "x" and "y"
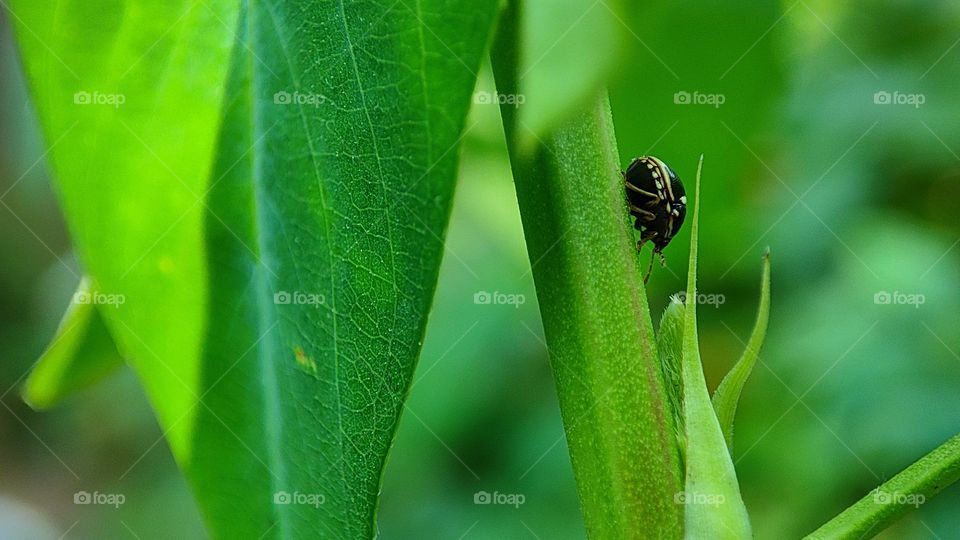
{"x": 713, "y": 505}
{"x": 132, "y": 90}
{"x": 270, "y": 197}
{"x": 670, "y": 347}
{"x": 573, "y": 44}
{"x": 81, "y": 354}
{"x": 727, "y": 394}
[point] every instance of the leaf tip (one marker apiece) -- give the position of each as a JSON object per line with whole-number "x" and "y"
{"x": 32, "y": 399}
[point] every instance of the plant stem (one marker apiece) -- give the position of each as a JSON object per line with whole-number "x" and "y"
{"x": 901, "y": 494}
{"x": 618, "y": 423}
{"x": 597, "y": 323}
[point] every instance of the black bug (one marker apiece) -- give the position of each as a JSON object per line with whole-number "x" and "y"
{"x": 657, "y": 200}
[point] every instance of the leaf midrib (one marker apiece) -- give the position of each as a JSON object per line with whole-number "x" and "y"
{"x": 271, "y": 392}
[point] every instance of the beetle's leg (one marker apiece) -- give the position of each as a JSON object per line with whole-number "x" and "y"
{"x": 663, "y": 260}
{"x": 644, "y": 214}
{"x": 646, "y": 276}
{"x": 643, "y": 192}
{"x": 644, "y": 238}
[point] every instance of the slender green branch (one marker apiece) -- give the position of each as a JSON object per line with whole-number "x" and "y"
{"x": 903, "y": 493}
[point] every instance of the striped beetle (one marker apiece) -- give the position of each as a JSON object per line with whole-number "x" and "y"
{"x": 657, "y": 200}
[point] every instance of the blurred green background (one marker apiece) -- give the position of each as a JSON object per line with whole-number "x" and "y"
{"x": 820, "y": 149}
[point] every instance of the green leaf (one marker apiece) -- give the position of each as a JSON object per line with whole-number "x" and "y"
{"x": 81, "y": 354}
{"x": 670, "y": 347}
{"x": 271, "y": 199}
{"x": 569, "y": 44}
{"x": 130, "y": 93}
{"x": 903, "y": 493}
{"x": 714, "y": 507}
{"x": 618, "y": 422}
{"x": 727, "y": 394}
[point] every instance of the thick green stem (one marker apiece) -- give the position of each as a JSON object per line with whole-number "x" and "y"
{"x": 903, "y": 493}
{"x": 597, "y": 322}
{"x": 618, "y": 423}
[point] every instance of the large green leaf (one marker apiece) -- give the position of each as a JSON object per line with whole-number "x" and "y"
{"x": 132, "y": 91}
{"x": 271, "y": 202}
